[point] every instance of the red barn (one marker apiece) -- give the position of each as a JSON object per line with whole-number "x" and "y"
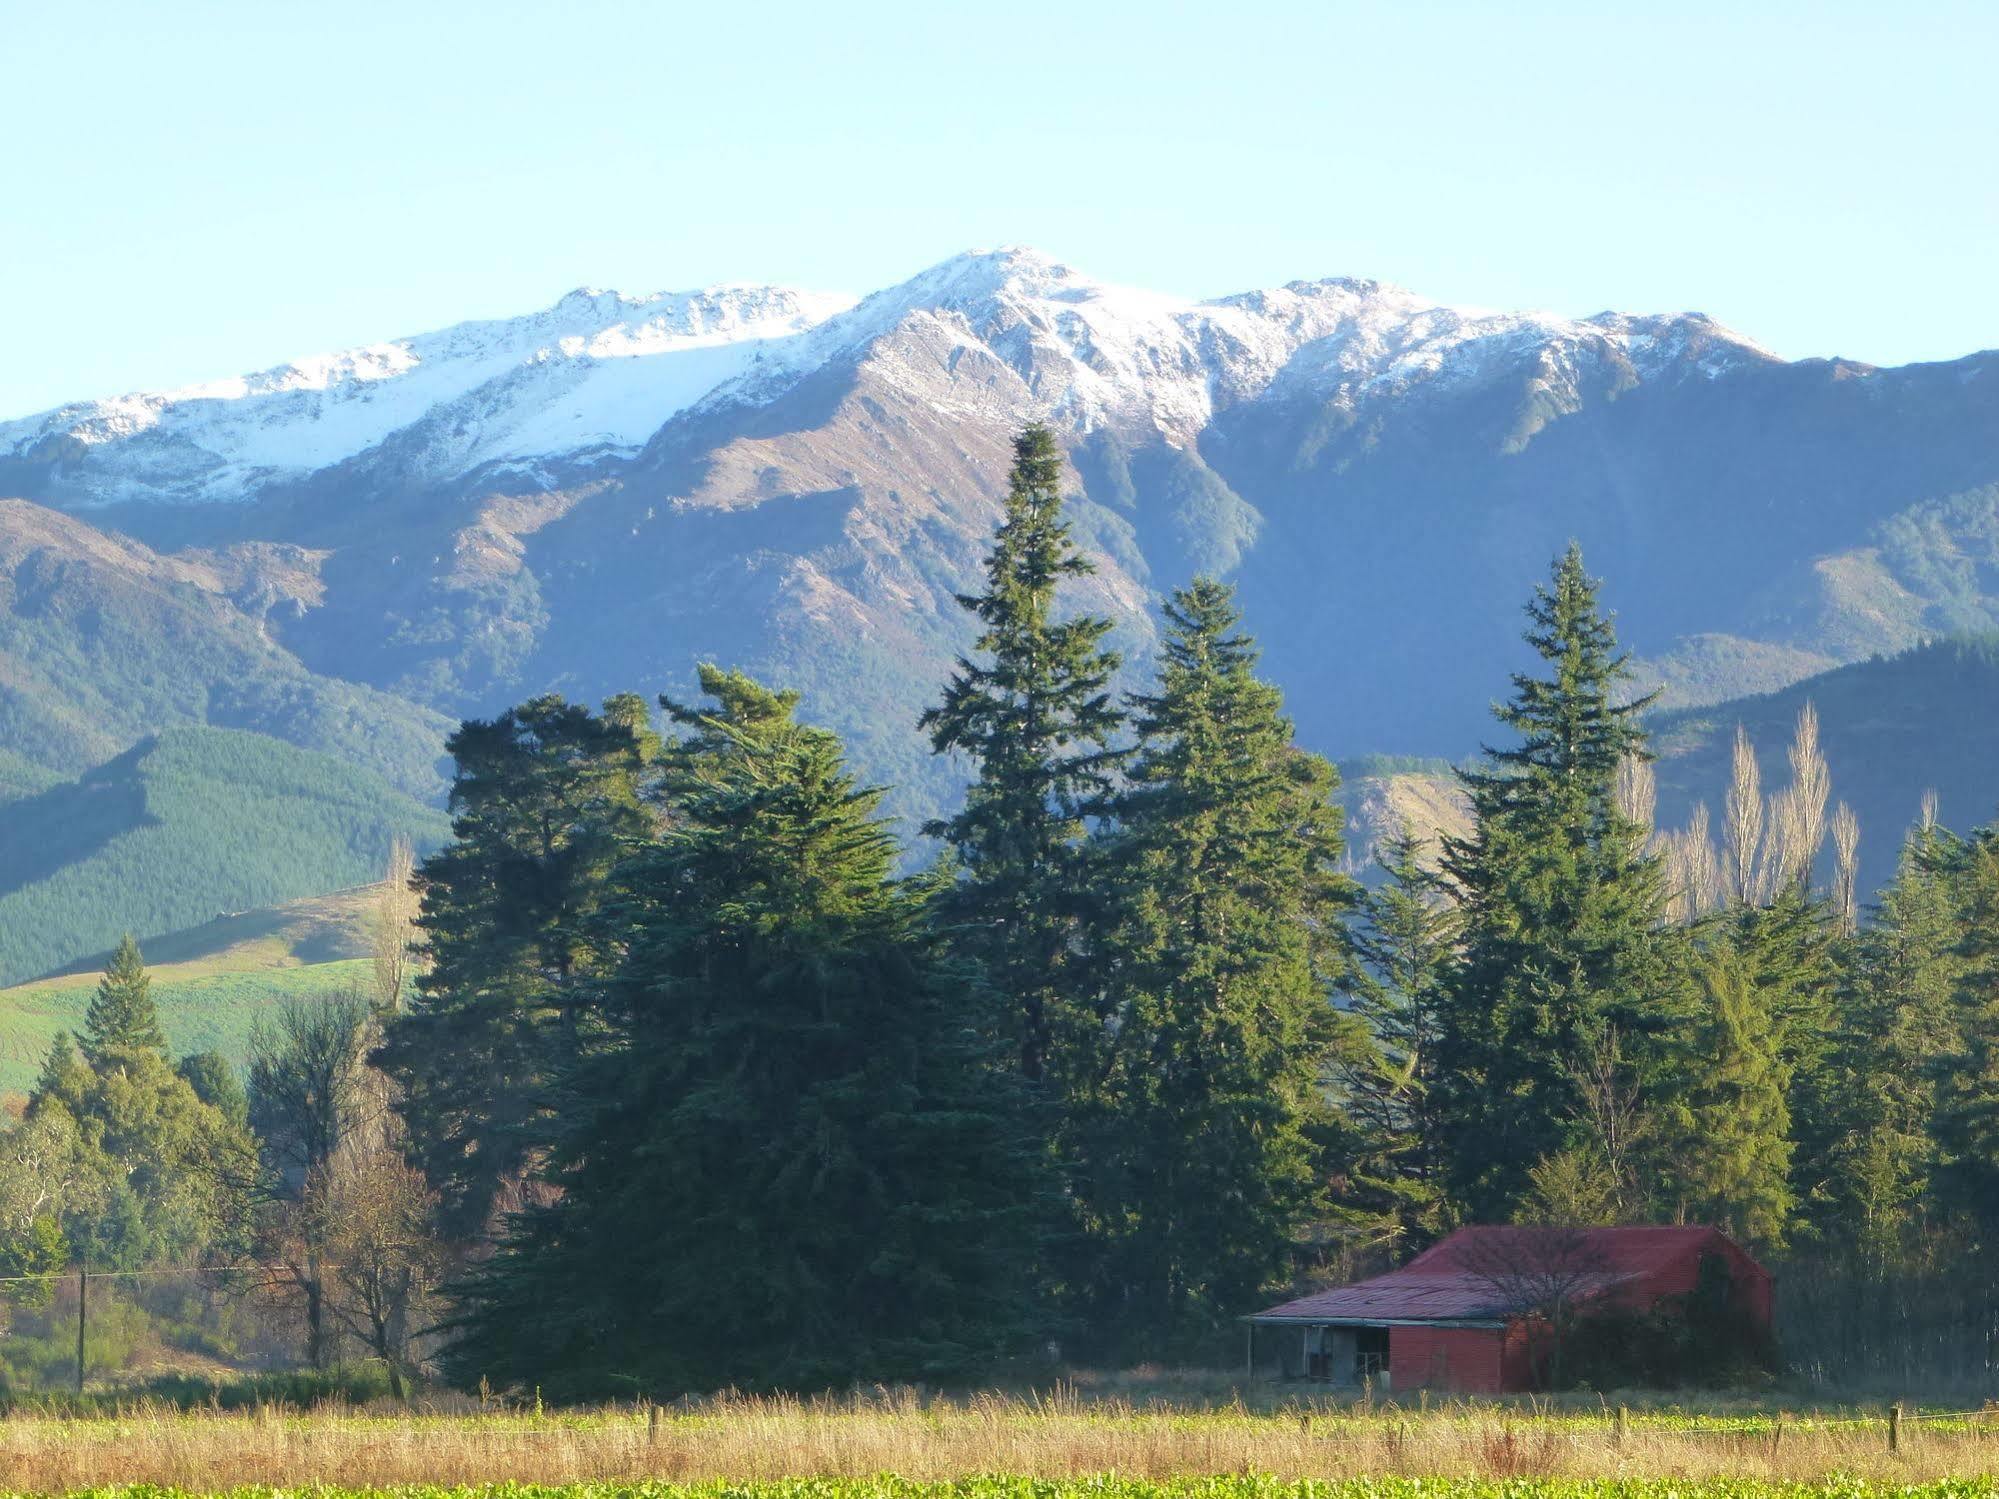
{"x": 1485, "y": 1310}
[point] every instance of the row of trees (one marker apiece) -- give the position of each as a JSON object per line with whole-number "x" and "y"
{"x": 742, "y": 1104}
{"x": 704, "y": 1089}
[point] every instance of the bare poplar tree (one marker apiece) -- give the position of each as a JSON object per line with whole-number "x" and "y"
{"x": 1697, "y": 867}
{"x": 395, "y": 928}
{"x": 1930, "y": 809}
{"x": 1811, "y": 789}
{"x": 1638, "y": 794}
{"x": 1846, "y": 869}
{"x": 1742, "y": 820}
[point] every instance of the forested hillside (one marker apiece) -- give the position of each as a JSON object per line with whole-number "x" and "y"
{"x": 184, "y": 826}
{"x": 103, "y": 641}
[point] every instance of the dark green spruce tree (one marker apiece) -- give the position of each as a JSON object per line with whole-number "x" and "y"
{"x": 1032, "y": 707}
{"x": 122, "y": 1020}
{"x": 1966, "y": 1122}
{"x": 1730, "y": 1112}
{"x": 798, "y": 1159}
{"x": 1897, "y": 1032}
{"x": 1562, "y": 909}
{"x": 542, "y": 800}
{"x": 1197, "y": 1155}
{"x": 1386, "y": 1063}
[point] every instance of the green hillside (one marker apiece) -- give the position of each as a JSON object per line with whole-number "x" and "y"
{"x": 1891, "y": 728}
{"x": 183, "y": 827}
{"x": 210, "y": 981}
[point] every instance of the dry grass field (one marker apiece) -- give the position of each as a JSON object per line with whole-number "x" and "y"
{"x": 1061, "y": 1436}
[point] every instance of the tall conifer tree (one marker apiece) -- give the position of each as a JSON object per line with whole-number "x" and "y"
{"x": 1733, "y": 1123}
{"x": 1897, "y": 1029}
{"x": 1562, "y": 907}
{"x": 542, "y": 800}
{"x": 1387, "y": 1062}
{"x": 1967, "y": 1116}
{"x": 1200, "y": 1156}
{"x": 797, "y": 1161}
{"x": 122, "y": 1020}
{"x": 1033, "y": 709}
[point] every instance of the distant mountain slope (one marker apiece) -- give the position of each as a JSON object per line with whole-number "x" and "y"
{"x": 103, "y": 640}
{"x": 594, "y": 497}
{"x": 186, "y": 826}
{"x": 1891, "y": 729}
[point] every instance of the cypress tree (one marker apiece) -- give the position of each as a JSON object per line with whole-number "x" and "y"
{"x": 1562, "y": 907}
{"x": 1199, "y": 1156}
{"x": 542, "y": 799}
{"x": 122, "y": 1021}
{"x": 802, "y": 1162}
{"x": 1034, "y": 711}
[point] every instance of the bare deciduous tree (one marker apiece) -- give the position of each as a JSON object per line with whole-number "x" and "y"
{"x": 1540, "y": 1274}
{"x": 395, "y": 928}
{"x": 1742, "y": 819}
{"x": 1694, "y": 878}
{"x": 1637, "y": 794}
{"x": 1846, "y": 869}
{"x": 1811, "y": 789}
{"x": 387, "y": 1260}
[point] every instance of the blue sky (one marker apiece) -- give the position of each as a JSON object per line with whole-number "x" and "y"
{"x": 191, "y": 190}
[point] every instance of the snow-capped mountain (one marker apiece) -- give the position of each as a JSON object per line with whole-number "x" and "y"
{"x": 594, "y": 497}
{"x": 594, "y": 375}
{"x": 597, "y": 374}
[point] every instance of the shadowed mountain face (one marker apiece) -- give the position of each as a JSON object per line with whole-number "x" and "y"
{"x": 596, "y": 497}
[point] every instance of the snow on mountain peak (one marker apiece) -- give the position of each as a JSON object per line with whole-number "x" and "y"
{"x": 598, "y": 372}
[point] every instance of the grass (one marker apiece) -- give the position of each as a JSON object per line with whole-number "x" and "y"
{"x": 1114, "y": 1486}
{"x": 1051, "y": 1439}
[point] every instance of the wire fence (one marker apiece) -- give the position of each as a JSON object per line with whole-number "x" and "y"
{"x": 70, "y": 1331}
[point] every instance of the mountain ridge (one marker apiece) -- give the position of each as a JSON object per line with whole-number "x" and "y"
{"x": 1384, "y": 478}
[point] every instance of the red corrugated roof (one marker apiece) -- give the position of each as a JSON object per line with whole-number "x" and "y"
{"x": 1463, "y": 1279}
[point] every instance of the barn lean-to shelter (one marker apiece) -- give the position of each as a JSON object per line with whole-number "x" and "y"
{"x": 1483, "y": 1310}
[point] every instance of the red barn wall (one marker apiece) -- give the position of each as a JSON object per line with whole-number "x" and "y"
{"x": 1448, "y": 1358}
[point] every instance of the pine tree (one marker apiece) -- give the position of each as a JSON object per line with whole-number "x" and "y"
{"x": 1731, "y": 1118}
{"x": 1199, "y": 1160}
{"x": 122, "y": 1021}
{"x": 1897, "y": 1026}
{"x": 1035, "y": 713}
{"x": 804, "y": 1164}
{"x": 542, "y": 800}
{"x": 1387, "y": 1062}
{"x": 64, "y": 1078}
{"x": 1563, "y": 909}
{"x": 1792, "y": 952}
{"x": 1966, "y": 1122}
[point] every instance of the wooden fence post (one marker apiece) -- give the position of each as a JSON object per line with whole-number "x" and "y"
{"x": 1623, "y": 1416}
{"x": 1895, "y": 1427}
{"x": 82, "y": 1305}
